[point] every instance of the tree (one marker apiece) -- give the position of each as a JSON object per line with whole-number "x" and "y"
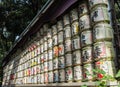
{"x": 15, "y": 15}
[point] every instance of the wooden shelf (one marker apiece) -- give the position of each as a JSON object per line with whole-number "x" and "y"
{"x": 77, "y": 84}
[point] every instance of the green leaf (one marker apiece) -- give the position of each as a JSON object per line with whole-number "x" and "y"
{"x": 105, "y": 78}
{"x": 102, "y": 72}
{"x": 95, "y": 70}
{"x": 87, "y": 72}
{"x": 118, "y": 74}
{"x": 93, "y": 76}
{"x": 98, "y": 83}
{"x": 101, "y": 84}
{"x": 84, "y": 86}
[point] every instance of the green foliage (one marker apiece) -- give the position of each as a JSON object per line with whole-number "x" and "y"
{"x": 103, "y": 81}
{"x": 83, "y": 86}
{"x": 118, "y": 74}
{"x": 15, "y": 15}
{"x": 98, "y": 71}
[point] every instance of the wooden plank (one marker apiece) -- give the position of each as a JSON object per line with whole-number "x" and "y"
{"x": 76, "y": 84}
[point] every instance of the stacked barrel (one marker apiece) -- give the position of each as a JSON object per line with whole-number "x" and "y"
{"x": 86, "y": 40}
{"x": 61, "y": 51}
{"x": 50, "y": 56}
{"x": 76, "y": 46}
{"x": 55, "y": 53}
{"x": 103, "y": 51}
{"x": 44, "y": 54}
{"x": 68, "y": 50}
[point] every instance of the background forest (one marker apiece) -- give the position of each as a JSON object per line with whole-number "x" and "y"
{"x": 15, "y": 15}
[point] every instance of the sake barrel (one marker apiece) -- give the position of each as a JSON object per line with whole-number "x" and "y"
{"x": 42, "y": 78}
{"x": 55, "y": 51}
{"x": 24, "y": 73}
{"x": 102, "y": 31}
{"x": 38, "y": 78}
{"x": 68, "y": 59}
{"x": 16, "y": 82}
{"x": 62, "y": 75}
{"x": 45, "y": 37}
{"x": 50, "y": 77}
{"x": 45, "y": 46}
{"x": 82, "y": 9}
{"x": 37, "y": 69}
{"x": 86, "y": 38}
{"x": 38, "y": 59}
{"x": 66, "y": 19}
{"x": 68, "y": 45}
{"x": 67, "y": 32}
{"x": 84, "y": 22}
{"x": 75, "y": 28}
{"x": 50, "y": 65}
{"x": 45, "y": 56}
{"x": 38, "y": 51}
{"x": 45, "y": 66}
{"x": 94, "y": 3}
{"x": 31, "y": 79}
{"x": 24, "y": 80}
{"x": 29, "y": 57}
{"x": 20, "y": 80}
{"x": 60, "y": 25}
{"x": 32, "y": 53}
{"x": 54, "y": 29}
{"x": 26, "y": 65}
{"x": 74, "y": 15}
{"x": 55, "y": 40}
{"x": 32, "y": 64}
{"x": 34, "y": 70}
{"x": 42, "y": 68}
{"x": 30, "y": 71}
{"x": 29, "y": 63}
{"x": 87, "y": 72}
{"x": 42, "y": 58}
{"x": 50, "y": 54}
{"x": 61, "y": 49}
{"x": 35, "y": 79}
{"x": 61, "y": 62}
{"x": 77, "y": 59}
{"x": 60, "y": 37}
{"x": 69, "y": 74}
{"x": 105, "y": 66}
{"x": 35, "y": 52}
{"x": 104, "y": 50}
{"x": 55, "y": 76}
{"x": 50, "y": 43}
{"x": 55, "y": 63}
{"x": 42, "y": 48}
{"x": 76, "y": 43}
{"x": 46, "y": 77}
{"x": 77, "y": 73}
{"x": 87, "y": 54}
{"x": 99, "y": 14}
{"x": 35, "y": 61}
{"x": 49, "y": 33}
